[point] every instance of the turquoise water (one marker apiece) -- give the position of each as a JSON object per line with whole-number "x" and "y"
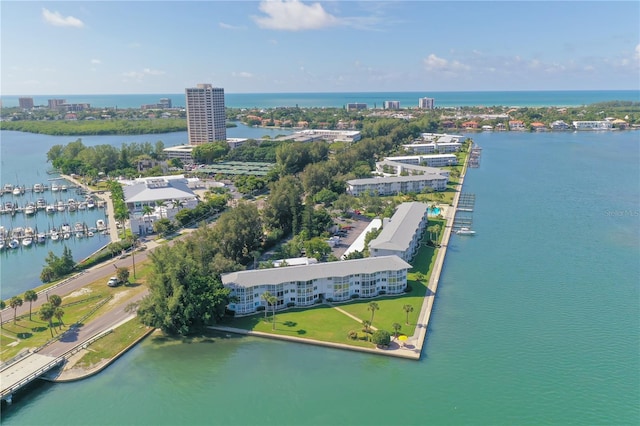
{"x": 23, "y": 161}
{"x": 433, "y": 211}
{"x": 372, "y": 99}
{"x": 535, "y": 322}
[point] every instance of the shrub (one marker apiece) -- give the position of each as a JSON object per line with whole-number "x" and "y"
{"x": 381, "y": 338}
{"x": 355, "y": 296}
{"x": 290, "y": 304}
{"x": 353, "y": 335}
{"x": 260, "y": 308}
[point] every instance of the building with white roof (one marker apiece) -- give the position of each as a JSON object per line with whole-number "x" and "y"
{"x": 166, "y": 195}
{"x": 593, "y": 125}
{"x": 181, "y": 152}
{"x": 433, "y": 160}
{"x": 310, "y": 284}
{"x": 397, "y": 184}
{"x": 402, "y": 233}
{"x": 433, "y": 147}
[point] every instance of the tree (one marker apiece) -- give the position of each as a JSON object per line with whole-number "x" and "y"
{"x": 2, "y": 306}
{"x": 55, "y": 300}
{"x": 373, "y": 307}
{"x": 283, "y": 209}
{"x": 367, "y": 325}
{"x": 30, "y": 296}
{"x": 46, "y": 314}
{"x": 408, "y": 309}
{"x": 123, "y": 275}
{"x": 266, "y": 296}
{"x": 396, "y": 329}
{"x": 15, "y": 302}
{"x": 381, "y": 338}
{"x": 59, "y": 313}
{"x": 273, "y": 301}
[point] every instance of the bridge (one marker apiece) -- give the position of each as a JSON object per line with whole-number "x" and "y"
{"x": 20, "y": 374}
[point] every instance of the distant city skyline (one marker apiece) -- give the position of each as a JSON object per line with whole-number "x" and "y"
{"x": 121, "y": 47}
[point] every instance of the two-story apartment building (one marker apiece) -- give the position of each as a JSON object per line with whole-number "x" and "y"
{"x": 309, "y": 284}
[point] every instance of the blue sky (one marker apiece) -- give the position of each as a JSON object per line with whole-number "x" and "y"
{"x": 85, "y": 47}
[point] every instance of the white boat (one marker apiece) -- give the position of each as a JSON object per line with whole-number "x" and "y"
{"x": 90, "y": 234}
{"x": 7, "y": 188}
{"x": 82, "y": 205}
{"x": 91, "y": 203}
{"x": 55, "y": 187}
{"x": 63, "y": 188}
{"x": 2, "y": 244}
{"x": 38, "y": 187}
{"x": 60, "y": 206}
{"x": 55, "y": 235}
{"x": 465, "y": 231}
{"x": 41, "y": 237}
{"x": 30, "y": 209}
{"x": 41, "y": 203}
{"x": 14, "y": 243}
{"x": 50, "y": 208}
{"x": 27, "y": 241}
{"x": 17, "y": 191}
{"x": 66, "y": 231}
{"x": 101, "y": 225}
{"x": 71, "y": 205}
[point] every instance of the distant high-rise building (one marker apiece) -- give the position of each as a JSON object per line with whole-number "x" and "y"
{"x": 25, "y": 103}
{"x": 56, "y": 103}
{"x": 165, "y": 103}
{"x": 426, "y": 103}
{"x": 355, "y": 106}
{"x": 391, "y": 104}
{"x": 206, "y": 118}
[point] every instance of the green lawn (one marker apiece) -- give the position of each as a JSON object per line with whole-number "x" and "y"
{"x": 327, "y": 324}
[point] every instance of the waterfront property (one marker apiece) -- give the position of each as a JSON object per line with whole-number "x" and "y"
{"x": 593, "y": 125}
{"x": 434, "y": 160}
{"x": 165, "y": 195}
{"x": 401, "y": 234}
{"x": 433, "y": 147}
{"x": 314, "y": 283}
{"x": 397, "y": 184}
{"x": 312, "y": 135}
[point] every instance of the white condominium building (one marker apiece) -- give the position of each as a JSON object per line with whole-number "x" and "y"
{"x": 206, "y": 119}
{"x": 426, "y": 103}
{"x": 402, "y": 233}
{"x": 309, "y": 284}
{"x": 593, "y": 125}
{"x": 434, "y": 160}
{"x": 397, "y": 184}
{"x": 428, "y": 148}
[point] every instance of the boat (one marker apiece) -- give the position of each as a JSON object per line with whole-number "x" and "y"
{"x": 30, "y": 209}
{"x": 465, "y": 231}
{"x": 14, "y": 243}
{"x": 91, "y": 203}
{"x": 63, "y": 188}
{"x": 55, "y": 235}
{"x": 51, "y": 208}
{"x": 41, "y": 237}
{"x": 7, "y": 188}
{"x": 8, "y": 207}
{"x": 71, "y": 204}
{"x": 17, "y": 191}
{"x": 101, "y": 225}
{"x": 66, "y": 231}
{"x": 82, "y": 205}
{"x": 90, "y": 234}
{"x": 38, "y": 187}
{"x": 2, "y": 244}
{"x": 55, "y": 187}
{"x": 60, "y": 206}
{"x": 41, "y": 204}
{"x": 27, "y": 241}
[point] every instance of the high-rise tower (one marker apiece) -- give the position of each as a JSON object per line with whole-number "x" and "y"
{"x": 206, "y": 120}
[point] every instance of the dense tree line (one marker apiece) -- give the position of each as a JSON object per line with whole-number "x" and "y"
{"x": 97, "y": 127}
{"x": 57, "y": 266}
{"x": 75, "y": 157}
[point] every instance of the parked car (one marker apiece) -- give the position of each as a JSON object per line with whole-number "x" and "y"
{"x": 113, "y": 282}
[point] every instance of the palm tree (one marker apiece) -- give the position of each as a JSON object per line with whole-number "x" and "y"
{"x": 2, "y": 306}
{"x": 30, "y": 296}
{"x": 366, "y": 324}
{"x": 266, "y": 296}
{"x": 396, "y": 329}
{"x": 55, "y": 300}
{"x": 373, "y": 307}
{"x": 46, "y": 314}
{"x": 147, "y": 211}
{"x": 273, "y": 300}
{"x": 59, "y": 313}
{"x": 407, "y": 309}
{"x": 15, "y": 302}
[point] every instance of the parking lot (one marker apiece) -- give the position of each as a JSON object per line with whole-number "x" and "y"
{"x": 357, "y": 224}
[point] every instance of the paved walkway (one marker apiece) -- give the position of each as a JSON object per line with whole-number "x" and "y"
{"x": 342, "y": 311}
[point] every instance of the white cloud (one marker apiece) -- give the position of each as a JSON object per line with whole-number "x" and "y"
{"x": 56, "y": 19}
{"x": 637, "y": 53}
{"x": 293, "y": 15}
{"x": 96, "y": 61}
{"x": 434, "y": 63}
{"x": 139, "y": 75}
{"x": 230, "y": 27}
{"x": 242, "y": 74}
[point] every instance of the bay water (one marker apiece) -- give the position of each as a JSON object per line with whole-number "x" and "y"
{"x": 536, "y": 321}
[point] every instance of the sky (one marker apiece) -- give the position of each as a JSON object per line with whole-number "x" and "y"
{"x": 119, "y": 47}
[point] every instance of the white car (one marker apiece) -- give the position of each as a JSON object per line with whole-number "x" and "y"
{"x": 113, "y": 282}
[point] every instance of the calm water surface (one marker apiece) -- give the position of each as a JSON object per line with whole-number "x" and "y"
{"x": 536, "y": 321}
